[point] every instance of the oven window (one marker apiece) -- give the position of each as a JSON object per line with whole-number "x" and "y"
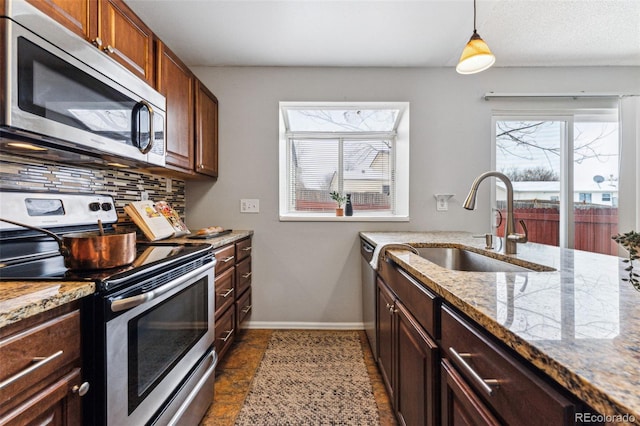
{"x": 161, "y": 336}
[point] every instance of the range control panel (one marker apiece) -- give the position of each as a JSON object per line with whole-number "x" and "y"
{"x": 50, "y": 210}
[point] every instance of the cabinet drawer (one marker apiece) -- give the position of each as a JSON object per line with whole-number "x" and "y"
{"x": 225, "y": 332}
{"x": 225, "y": 291}
{"x": 243, "y": 307}
{"x": 39, "y": 354}
{"x": 225, "y": 258}
{"x": 520, "y": 397}
{"x": 243, "y": 249}
{"x": 422, "y": 303}
{"x": 243, "y": 275}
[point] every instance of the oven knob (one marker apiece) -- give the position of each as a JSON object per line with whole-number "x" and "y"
{"x": 82, "y": 389}
{"x": 106, "y": 206}
{"x": 94, "y": 207}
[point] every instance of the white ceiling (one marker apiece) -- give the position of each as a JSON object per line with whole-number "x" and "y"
{"x": 396, "y": 33}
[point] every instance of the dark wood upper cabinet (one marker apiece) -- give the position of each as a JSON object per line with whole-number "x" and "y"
{"x": 126, "y": 38}
{"x": 79, "y": 16}
{"x": 111, "y": 26}
{"x": 206, "y": 131}
{"x": 177, "y": 83}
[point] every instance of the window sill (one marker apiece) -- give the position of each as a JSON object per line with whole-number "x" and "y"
{"x": 331, "y": 217}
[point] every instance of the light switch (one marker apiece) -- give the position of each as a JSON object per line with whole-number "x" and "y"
{"x": 249, "y": 205}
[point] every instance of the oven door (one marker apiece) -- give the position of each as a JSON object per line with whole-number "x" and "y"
{"x": 155, "y": 343}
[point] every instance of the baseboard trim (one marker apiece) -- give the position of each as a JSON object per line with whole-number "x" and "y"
{"x": 273, "y": 325}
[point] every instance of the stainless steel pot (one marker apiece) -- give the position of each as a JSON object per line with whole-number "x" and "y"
{"x": 92, "y": 250}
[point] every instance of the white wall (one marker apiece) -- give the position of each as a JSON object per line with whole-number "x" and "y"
{"x": 308, "y": 273}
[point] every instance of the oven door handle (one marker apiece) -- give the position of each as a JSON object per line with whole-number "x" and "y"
{"x": 175, "y": 420}
{"x": 120, "y": 305}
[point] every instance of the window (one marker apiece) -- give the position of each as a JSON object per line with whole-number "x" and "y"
{"x": 357, "y": 149}
{"x": 584, "y": 197}
{"x": 550, "y": 155}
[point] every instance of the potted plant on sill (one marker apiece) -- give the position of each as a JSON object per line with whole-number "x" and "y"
{"x": 631, "y": 242}
{"x": 340, "y": 199}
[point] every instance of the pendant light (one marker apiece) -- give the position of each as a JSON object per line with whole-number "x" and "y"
{"x": 476, "y": 55}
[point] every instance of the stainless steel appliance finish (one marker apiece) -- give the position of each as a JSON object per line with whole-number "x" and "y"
{"x": 147, "y": 332}
{"x": 369, "y": 292}
{"x": 67, "y": 100}
{"x": 156, "y": 341}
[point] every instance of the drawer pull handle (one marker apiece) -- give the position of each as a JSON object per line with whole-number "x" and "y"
{"x": 247, "y": 248}
{"x": 246, "y": 309}
{"x": 225, "y": 295}
{"x": 41, "y": 362}
{"x": 82, "y": 389}
{"x": 485, "y": 384}
{"x": 225, "y": 338}
{"x": 247, "y": 275}
{"x": 228, "y": 259}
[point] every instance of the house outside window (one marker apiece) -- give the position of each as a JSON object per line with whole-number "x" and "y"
{"x": 359, "y": 149}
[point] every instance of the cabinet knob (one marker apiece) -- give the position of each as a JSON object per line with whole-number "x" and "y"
{"x": 97, "y": 42}
{"x": 82, "y": 389}
{"x": 109, "y": 49}
{"x": 201, "y": 166}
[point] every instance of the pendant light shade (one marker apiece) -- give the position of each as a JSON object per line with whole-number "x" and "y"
{"x": 476, "y": 55}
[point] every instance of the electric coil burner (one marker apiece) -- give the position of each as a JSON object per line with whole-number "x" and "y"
{"x": 148, "y": 331}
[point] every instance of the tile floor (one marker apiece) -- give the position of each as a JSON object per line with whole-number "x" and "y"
{"x": 236, "y": 370}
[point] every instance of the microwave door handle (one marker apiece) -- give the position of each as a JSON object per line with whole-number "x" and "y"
{"x": 135, "y": 133}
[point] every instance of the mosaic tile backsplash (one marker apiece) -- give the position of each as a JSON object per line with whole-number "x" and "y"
{"x": 124, "y": 186}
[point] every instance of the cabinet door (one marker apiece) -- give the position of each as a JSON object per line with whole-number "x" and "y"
{"x": 206, "y": 131}
{"x": 57, "y": 404}
{"x": 416, "y": 382}
{"x": 126, "y": 38}
{"x": 460, "y": 405}
{"x": 79, "y": 16}
{"x": 176, "y": 83}
{"x": 243, "y": 275}
{"x": 225, "y": 291}
{"x": 225, "y": 332}
{"x": 385, "y": 325}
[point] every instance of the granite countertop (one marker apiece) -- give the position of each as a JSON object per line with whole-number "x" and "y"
{"x": 579, "y": 323}
{"x": 23, "y": 299}
{"x": 216, "y": 242}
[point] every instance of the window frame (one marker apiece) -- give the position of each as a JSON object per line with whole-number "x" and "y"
{"x": 568, "y": 116}
{"x": 399, "y": 158}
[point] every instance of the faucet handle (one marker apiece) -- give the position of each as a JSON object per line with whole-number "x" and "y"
{"x": 520, "y": 238}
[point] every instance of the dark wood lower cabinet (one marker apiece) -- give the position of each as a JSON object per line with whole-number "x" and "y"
{"x": 384, "y": 325}
{"x": 463, "y": 376}
{"x": 417, "y": 378}
{"x": 460, "y": 405}
{"x": 408, "y": 361}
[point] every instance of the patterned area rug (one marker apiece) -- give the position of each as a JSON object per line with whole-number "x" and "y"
{"x": 311, "y": 377}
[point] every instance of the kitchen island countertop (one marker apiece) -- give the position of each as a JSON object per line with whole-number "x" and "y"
{"x": 579, "y": 324}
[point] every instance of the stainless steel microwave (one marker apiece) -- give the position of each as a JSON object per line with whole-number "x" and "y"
{"x": 64, "y": 99}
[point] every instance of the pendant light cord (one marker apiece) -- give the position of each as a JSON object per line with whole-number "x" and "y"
{"x": 474, "y": 16}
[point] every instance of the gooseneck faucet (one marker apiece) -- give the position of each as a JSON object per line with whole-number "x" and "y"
{"x": 511, "y": 237}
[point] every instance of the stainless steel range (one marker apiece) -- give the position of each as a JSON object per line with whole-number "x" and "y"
{"x": 148, "y": 331}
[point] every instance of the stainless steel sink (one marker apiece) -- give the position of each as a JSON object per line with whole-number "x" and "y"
{"x": 458, "y": 259}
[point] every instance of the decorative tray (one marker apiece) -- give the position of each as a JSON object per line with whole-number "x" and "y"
{"x": 210, "y": 235}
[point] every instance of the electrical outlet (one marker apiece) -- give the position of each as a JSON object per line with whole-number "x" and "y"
{"x": 249, "y": 205}
{"x": 442, "y": 205}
